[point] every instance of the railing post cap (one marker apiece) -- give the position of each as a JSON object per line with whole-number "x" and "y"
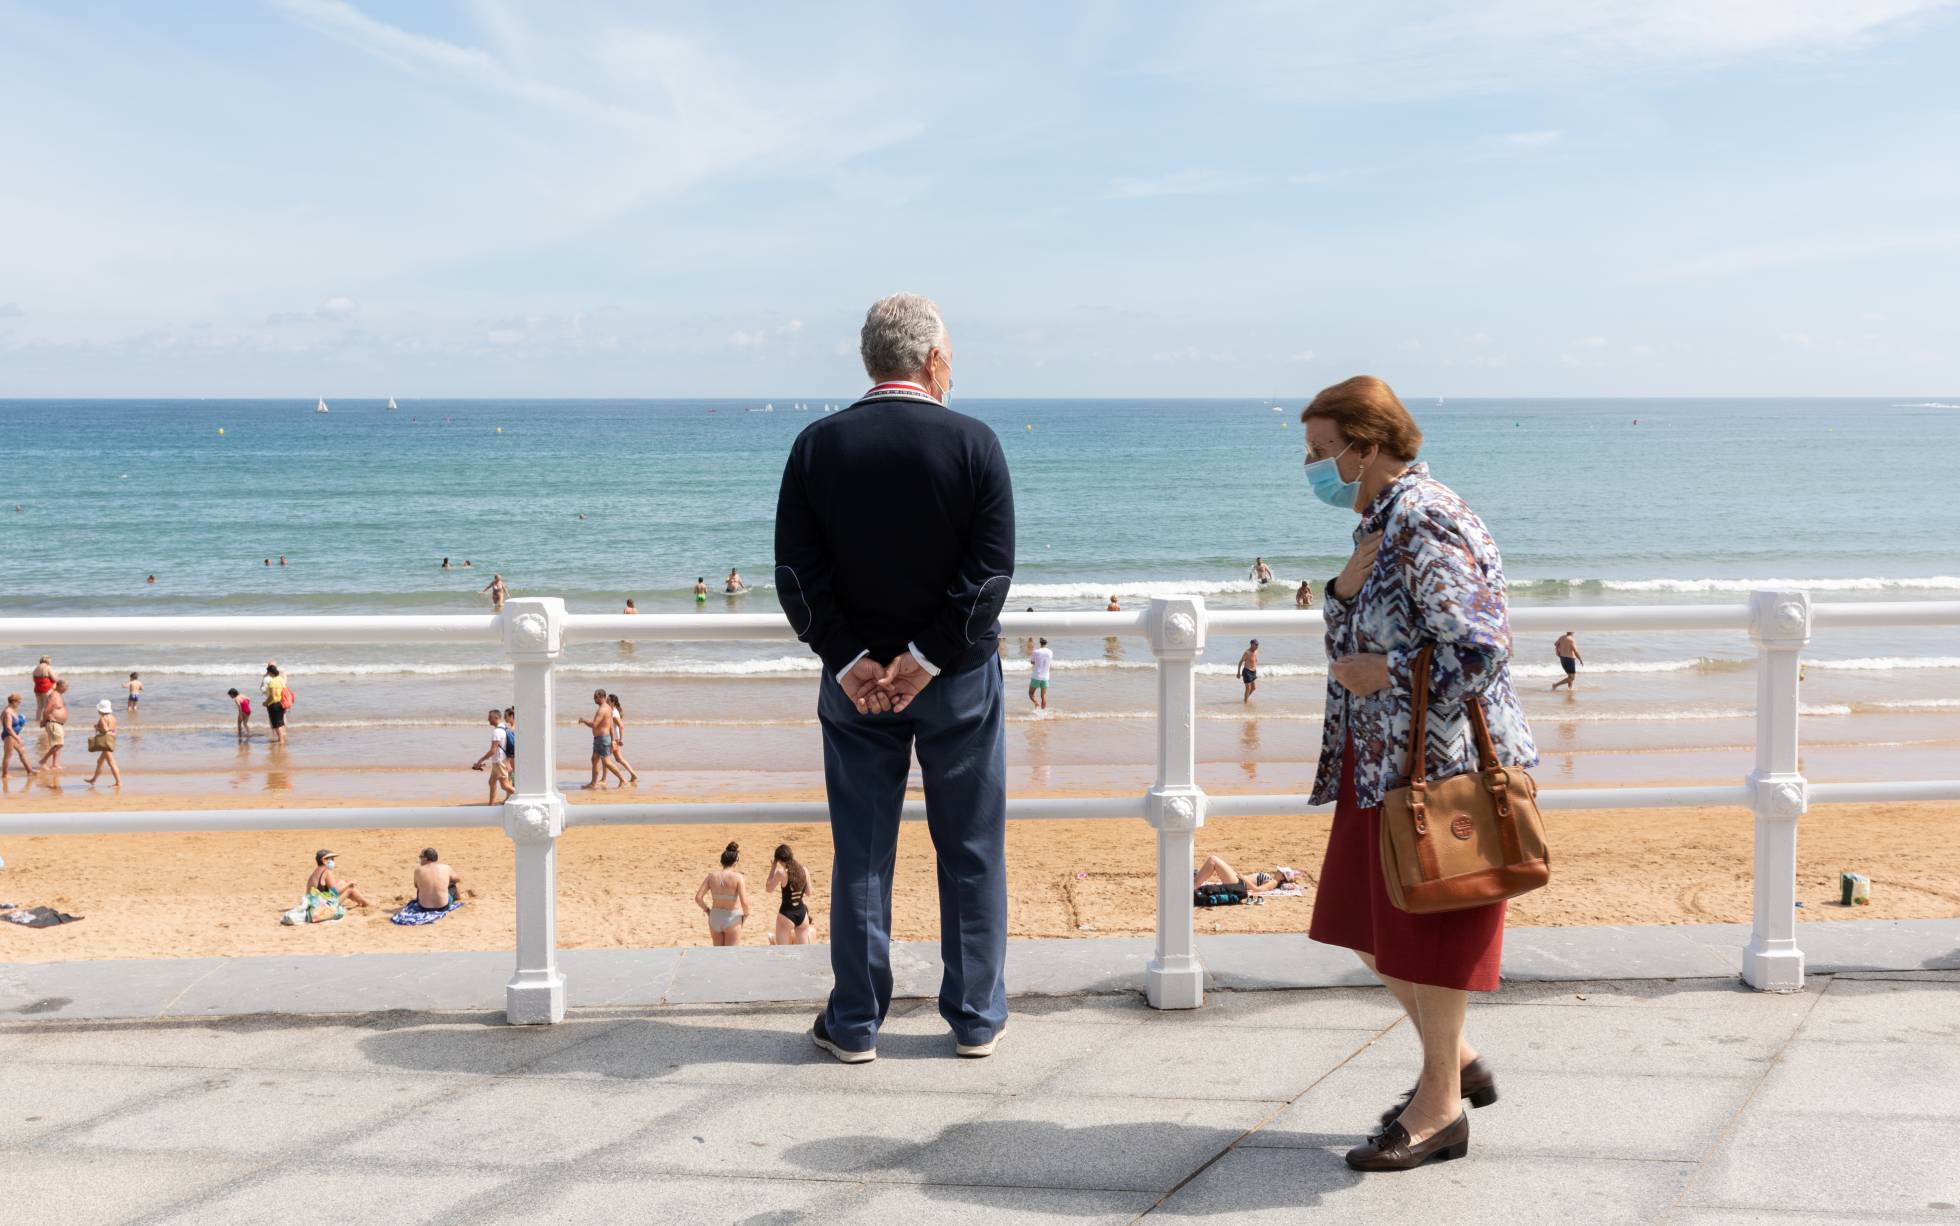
{"x": 1780, "y": 617}
{"x": 1175, "y": 808}
{"x": 1783, "y": 796}
{"x": 1177, "y": 624}
{"x": 534, "y": 819}
{"x": 534, "y": 626}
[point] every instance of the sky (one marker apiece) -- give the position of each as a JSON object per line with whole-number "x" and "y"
{"x": 1494, "y": 198}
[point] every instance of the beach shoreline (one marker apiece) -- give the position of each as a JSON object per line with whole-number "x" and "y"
{"x": 220, "y": 894}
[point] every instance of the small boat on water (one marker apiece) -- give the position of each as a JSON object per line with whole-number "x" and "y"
{"x": 392, "y": 406}
{"x": 320, "y": 407}
{"x": 767, "y": 408}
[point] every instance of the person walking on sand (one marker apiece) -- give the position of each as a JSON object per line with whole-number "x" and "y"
{"x": 135, "y": 687}
{"x": 244, "y": 706}
{"x": 601, "y": 724}
{"x": 619, "y": 738}
{"x": 496, "y": 759}
{"x": 278, "y": 696}
{"x": 793, "y": 922}
{"x": 103, "y": 743}
{"x": 894, "y": 553}
{"x": 497, "y": 592}
{"x": 1040, "y": 664}
{"x": 54, "y": 728}
{"x": 1249, "y": 670}
{"x": 733, "y": 584}
{"x": 1303, "y": 598}
{"x": 12, "y": 723}
{"x": 1261, "y": 573}
{"x": 1569, "y": 659}
{"x": 1425, "y": 575}
{"x": 435, "y": 882}
{"x": 43, "y": 678}
{"x": 724, "y": 896}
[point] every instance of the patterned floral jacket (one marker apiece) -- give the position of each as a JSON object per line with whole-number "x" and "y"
{"x": 1437, "y": 579}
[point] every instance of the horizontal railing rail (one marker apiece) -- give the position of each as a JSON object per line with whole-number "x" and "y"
{"x": 534, "y": 633}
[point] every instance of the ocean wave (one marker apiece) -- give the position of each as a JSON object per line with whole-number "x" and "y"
{"x": 1910, "y": 704}
{"x": 1927, "y": 404}
{"x": 1882, "y": 664}
{"x": 1880, "y": 583}
{"x": 1822, "y": 710}
{"x": 1139, "y": 588}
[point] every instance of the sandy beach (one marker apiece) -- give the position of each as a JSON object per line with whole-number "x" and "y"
{"x": 195, "y": 895}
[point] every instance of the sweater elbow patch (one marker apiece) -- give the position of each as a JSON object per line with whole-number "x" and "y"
{"x": 987, "y": 606}
{"x": 789, "y": 593}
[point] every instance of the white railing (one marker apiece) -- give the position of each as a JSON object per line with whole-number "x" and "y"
{"x": 534, "y": 632}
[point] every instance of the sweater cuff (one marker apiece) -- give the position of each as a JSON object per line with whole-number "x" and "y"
{"x": 931, "y": 668}
{"x": 846, "y": 670}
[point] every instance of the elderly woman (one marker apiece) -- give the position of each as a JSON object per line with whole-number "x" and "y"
{"x": 1425, "y": 572}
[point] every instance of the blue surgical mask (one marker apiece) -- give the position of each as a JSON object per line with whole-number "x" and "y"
{"x": 1325, "y": 478}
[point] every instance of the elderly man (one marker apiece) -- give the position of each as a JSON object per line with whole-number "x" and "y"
{"x": 894, "y": 551}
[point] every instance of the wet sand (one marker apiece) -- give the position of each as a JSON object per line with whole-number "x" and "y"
{"x": 193, "y": 895}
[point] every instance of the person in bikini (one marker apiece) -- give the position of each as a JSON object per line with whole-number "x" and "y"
{"x": 103, "y": 743}
{"x": 619, "y": 738}
{"x": 793, "y": 923}
{"x": 244, "y": 706}
{"x": 44, "y": 680}
{"x": 12, "y": 722}
{"x": 724, "y": 896}
{"x": 498, "y": 592}
{"x": 1215, "y": 869}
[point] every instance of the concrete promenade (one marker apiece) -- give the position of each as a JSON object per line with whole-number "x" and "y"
{"x": 1688, "y": 1099}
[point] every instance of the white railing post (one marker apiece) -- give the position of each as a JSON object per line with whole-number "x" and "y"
{"x": 1780, "y": 627}
{"x": 1175, "y": 979}
{"x": 535, "y": 817}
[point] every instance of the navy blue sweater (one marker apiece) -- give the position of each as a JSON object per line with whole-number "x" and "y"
{"x": 895, "y": 526}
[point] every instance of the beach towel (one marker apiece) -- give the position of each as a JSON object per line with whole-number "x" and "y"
{"x": 39, "y": 917}
{"x": 315, "y": 902}
{"x": 415, "y": 914}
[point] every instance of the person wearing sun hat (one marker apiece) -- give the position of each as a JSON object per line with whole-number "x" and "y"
{"x": 103, "y": 743}
{"x": 325, "y": 890}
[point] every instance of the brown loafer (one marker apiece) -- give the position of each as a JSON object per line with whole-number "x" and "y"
{"x": 1391, "y": 1150}
{"x": 1479, "y": 1086}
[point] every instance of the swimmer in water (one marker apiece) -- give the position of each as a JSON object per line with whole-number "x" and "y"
{"x": 733, "y": 584}
{"x": 700, "y": 589}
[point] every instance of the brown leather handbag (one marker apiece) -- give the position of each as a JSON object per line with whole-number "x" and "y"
{"x": 1467, "y": 840}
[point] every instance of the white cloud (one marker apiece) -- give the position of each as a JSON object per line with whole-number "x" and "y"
{"x": 1305, "y": 355}
{"x": 338, "y": 307}
{"x": 1806, "y": 251}
{"x": 1531, "y": 140}
{"x": 739, "y": 339}
{"x": 1592, "y": 342}
{"x": 846, "y": 348}
{"x": 1570, "y": 360}
{"x": 1177, "y": 183}
{"x": 1796, "y": 340}
{"x": 1400, "y": 50}
{"x": 791, "y": 328}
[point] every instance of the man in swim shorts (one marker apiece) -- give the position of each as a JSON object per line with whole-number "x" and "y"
{"x": 54, "y": 727}
{"x": 1569, "y": 659}
{"x": 435, "y": 882}
{"x": 601, "y": 724}
{"x": 135, "y": 687}
{"x": 701, "y": 589}
{"x": 1043, "y": 662}
{"x": 1249, "y": 670}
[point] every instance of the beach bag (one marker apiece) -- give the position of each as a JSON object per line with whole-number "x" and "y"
{"x": 286, "y": 698}
{"x": 1463, "y": 841}
{"x": 1219, "y": 894}
{"x": 98, "y": 743}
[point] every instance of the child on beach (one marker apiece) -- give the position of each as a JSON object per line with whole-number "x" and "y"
{"x": 601, "y": 724}
{"x": 135, "y": 687}
{"x": 619, "y": 736}
{"x": 103, "y": 743}
{"x": 497, "y": 757}
{"x": 12, "y": 722}
{"x": 244, "y": 706}
{"x": 1042, "y": 660}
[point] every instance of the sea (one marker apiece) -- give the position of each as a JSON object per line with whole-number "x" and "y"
{"x": 266, "y": 506}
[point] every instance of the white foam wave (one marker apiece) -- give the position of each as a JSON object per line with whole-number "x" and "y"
{"x": 1620, "y": 666}
{"x": 1881, "y": 664}
{"x": 1911, "y": 704}
{"x": 1138, "y": 588}
{"x": 1669, "y": 715}
{"x": 1879, "y": 583}
{"x": 1927, "y": 404}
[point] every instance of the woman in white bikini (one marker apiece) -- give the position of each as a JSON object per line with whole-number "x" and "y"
{"x": 724, "y": 895}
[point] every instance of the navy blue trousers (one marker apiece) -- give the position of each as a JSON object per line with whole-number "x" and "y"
{"x": 956, "y": 725}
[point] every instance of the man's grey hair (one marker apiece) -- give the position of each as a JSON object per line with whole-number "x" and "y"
{"x": 899, "y": 332}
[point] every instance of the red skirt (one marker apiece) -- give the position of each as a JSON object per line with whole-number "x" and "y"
{"x": 1456, "y": 949}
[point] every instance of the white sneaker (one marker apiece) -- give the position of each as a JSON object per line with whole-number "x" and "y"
{"x": 979, "y": 1051}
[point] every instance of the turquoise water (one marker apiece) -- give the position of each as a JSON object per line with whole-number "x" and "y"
{"x": 1701, "y": 500}
{"x": 1127, "y": 495}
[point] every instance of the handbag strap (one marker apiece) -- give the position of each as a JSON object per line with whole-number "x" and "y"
{"x": 1419, "y": 724}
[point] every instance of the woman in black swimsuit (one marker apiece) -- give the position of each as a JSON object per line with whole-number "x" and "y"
{"x": 793, "y": 924}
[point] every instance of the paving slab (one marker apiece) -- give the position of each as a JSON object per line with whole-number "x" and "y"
{"x": 1847, "y": 1159}
{"x": 531, "y": 1120}
{"x": 1910, "y": 1079}
{"x": 1885, "y": 1011}
{"x": 1315, "y": 1185}
{"x": 1248, "y": 1063}
{"x": 83, "y": 1189}
{"x": 392, "y": 1195}
{"x": 1053, "y": 1141}
{"x": 595, "y": 978}
{"x": 972, "y": 1206}
{"x": 665, "y": 1197}
{"x": 353, "y": 983}
{"x": 219, "y": 1043}
{"x": 41, "y": 1100}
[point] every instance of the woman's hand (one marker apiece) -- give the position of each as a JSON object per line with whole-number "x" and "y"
{"x": 1348, "y": 583}
{"x": 1360, "y": 675}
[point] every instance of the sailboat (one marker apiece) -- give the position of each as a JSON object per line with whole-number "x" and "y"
{"x": 320, "y": 407}
{"x": 392, "y": 407}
